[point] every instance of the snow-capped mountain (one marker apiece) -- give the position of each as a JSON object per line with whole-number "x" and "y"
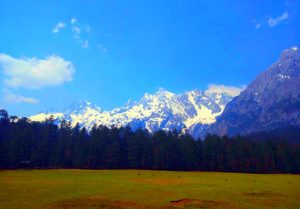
{"x": 193, "y": 111}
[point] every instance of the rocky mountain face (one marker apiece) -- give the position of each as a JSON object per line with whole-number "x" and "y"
{"x": 192, "y": 111}
{"x": 271, "y": 101}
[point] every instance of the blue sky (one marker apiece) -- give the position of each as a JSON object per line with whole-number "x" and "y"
{"x": 53, "y": 53}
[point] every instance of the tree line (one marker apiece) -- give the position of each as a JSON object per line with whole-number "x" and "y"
{"x": 26, "y": 144}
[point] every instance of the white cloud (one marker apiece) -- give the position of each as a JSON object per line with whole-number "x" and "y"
{"x": 85, "y": 44}
{"x": 77, "y": 35}
{"x": 17, "y": 98}
{"x": 258, "y": 25}
{"x": 58, "y": 27}
{"x": 76, "y": 32}
{"x": 36, "y": 73}
{"x": 275, "y": 21}
{"x": 231, "y": 90}
{"x": 73, "y": 20}
{"x": 272, "y": 21}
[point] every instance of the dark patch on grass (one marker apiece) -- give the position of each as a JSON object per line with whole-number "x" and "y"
{"x": 93, "y": 203}
{"x": 96, "y": 202}
{"x": 209, "y": 204}
{"x": 266, "y": 194}
{"x": 267, "y": 198}
{"x": 181, "y": 201}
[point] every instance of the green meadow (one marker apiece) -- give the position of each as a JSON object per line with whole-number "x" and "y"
{"x": 111, "y": 189}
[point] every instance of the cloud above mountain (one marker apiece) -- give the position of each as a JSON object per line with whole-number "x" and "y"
{"x": 80, "y": 32}
{"x": 33, "y": 73}
{"x": 58, "y": 27}
{"x": 230, "y": 90}
{"x": 273, "y": 21}
{"x": 10, "y": 97}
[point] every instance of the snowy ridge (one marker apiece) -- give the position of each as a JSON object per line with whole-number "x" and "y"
{"x": 193, "y": 111}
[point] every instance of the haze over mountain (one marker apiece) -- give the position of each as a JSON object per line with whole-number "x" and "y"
{"x": 193, "y": 111}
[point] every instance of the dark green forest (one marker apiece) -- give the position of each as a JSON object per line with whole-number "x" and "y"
{"x": 26, "y": 144}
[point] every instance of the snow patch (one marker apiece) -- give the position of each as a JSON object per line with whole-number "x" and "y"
{"x": 282, "y": 77}
{"x": 294, "y": 48}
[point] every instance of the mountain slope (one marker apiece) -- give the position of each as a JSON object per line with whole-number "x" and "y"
{"x": 193, "y": 111}
{"x": 271, "y": 101}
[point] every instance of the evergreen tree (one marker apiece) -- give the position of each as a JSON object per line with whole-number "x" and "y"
{"x": 27, "y": 144}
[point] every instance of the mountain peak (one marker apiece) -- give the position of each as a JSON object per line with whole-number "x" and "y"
{"x": 194, "y": 92}
{"x": 290, "y": 53}
{"x": 159, "y": 94}
{"x": 81, "y": 106}
{"x": 164, "y": 92}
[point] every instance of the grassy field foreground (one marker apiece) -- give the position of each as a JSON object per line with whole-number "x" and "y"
{"x": 112, "y": 189}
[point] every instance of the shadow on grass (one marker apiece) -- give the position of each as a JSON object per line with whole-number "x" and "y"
{"x": 97, "y": 203}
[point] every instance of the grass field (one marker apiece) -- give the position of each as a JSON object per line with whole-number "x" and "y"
{"x": 112, "y": 189}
